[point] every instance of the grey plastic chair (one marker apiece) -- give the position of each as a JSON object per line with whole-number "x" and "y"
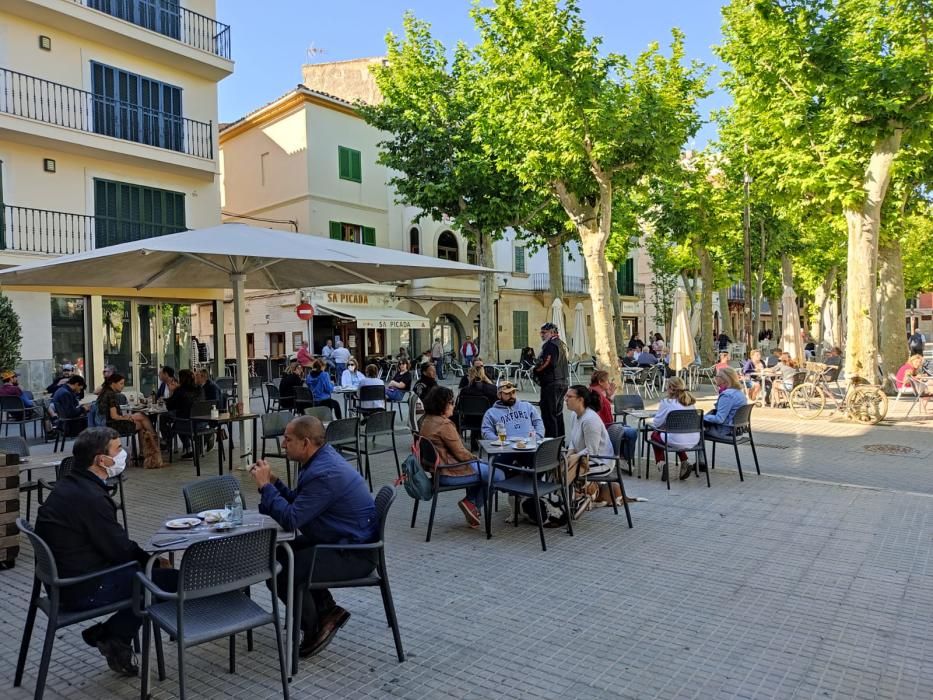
{"x": 626, "y": 402}
{"x": 616, "y": 438}
{"x": 17, "y": 445}
{"x": 344, "y": 436}
{"x": 741, "y": 434}
{"x": 322, "y": 413}
{"x": 210, "y": 493}
{"x": 369, "y": 393}
{"x": 379, "y": 424}
{"x": 303, "y": 398}
{"x": 271, "y": 398}
{"x": 211, "y": 603}
{"x": 687, "y": 421}
{"x": 379, "y": 577}
{"x": 273, "y": 428}
{"x": 430, "y": 463}
{"x": 46, "y": 575}
{"x": 14, "y": 412}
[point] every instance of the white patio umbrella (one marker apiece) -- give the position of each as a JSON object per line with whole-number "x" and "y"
{"x": 682, "y": 340}
{"x": 791, "y": 342}
{"x": 579, "y": 341}
{"x": 232, "y": 256}
{"x": 557, "y": 318}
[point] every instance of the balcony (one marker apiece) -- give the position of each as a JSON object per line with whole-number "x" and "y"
{"x": 541, "y": 282}
{"x": 167, "y": 18}
{"x": 737, "y": 292}
{"x": 28, "y": 230}
{"x": 52, "y": 103}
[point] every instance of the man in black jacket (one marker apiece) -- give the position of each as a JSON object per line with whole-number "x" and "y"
{"x": 552, "y": 370}
{"x": 79, "y": 523}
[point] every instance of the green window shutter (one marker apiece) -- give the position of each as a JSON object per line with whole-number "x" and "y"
{"x": 336, "y": 230}
{"x": 356, "y": 166}
{"x": 519, "y": 329}
{"x": 625, "y": 278}
{"x": 350, "y": 164}
{"x": 519, "y": 259}
{"x": 343, "y": 159}
{"x": 369, "y": 235}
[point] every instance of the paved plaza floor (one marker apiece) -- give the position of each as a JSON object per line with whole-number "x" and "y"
{"x": 814, "y": 580}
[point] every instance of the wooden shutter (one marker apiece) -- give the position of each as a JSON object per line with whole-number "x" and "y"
{"x": 336, "y": 230}
{"x": 356, "y": 169}
{"x": 343, "y": 161}
{"x": 369, "y": 235}
{"x": 519, "y": 259}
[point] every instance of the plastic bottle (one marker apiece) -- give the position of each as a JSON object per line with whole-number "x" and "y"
{"x": 236, "y": 515}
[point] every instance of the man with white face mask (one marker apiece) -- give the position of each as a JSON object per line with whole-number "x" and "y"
{"x": 79, "y": 523}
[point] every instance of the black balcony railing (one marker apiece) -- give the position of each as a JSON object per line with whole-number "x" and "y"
{"x": 737, "y": 292}
{"x": 169, "y": 19}
{"x": 40, "y": 231}
{"x": 52, "y": 103}
{"x": 541, "y": 282}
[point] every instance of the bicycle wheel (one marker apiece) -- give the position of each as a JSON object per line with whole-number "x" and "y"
{"x": 867, "y": 404}
{"x": 807, "y": 401}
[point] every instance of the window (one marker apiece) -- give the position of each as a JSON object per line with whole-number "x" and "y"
{"x": 298, "y": 338}
{"x": 519, "y": 329}
{"x": 471, "y": 253}
{"x": 414, "y": 240}
{"x": 447, "y": 247}
{"x": 519, "y": 259}
{"x": 625, "y": 278}
{"x": 350, "y": 164}
{"x": 125, "y": 212}
{"x": 68, "y": 332}
{"x": 132, "y": 107}
{"x": 354, "y": 233}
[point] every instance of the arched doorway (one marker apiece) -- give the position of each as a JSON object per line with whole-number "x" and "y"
{"x": 448, "y": 328}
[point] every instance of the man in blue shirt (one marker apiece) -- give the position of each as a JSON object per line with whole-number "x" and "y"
{"x": 331, "y": 504}
{"x": 68, "y": 407}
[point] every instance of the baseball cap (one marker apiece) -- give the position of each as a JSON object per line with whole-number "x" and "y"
{"x": 548, "y": 327}
{"x": 7, "y": 374}
{"x": 506, "y": 388}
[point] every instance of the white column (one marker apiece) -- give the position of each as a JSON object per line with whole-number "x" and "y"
{"x": 95, "y": 343}
{"x": 219, "y": 346}
{"x": 238, "y": 282}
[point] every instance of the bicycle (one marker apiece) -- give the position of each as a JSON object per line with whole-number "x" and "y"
{"x": 451, "y": 366}
{"x": 861, "y": 401}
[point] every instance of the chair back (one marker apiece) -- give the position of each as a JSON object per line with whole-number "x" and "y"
{"x": 64, "y": 468}
{"x": 225, "y": 384}
{"x": 322, "y": 413}
{"x": 272, "y": 391}
{"x": 627, "y": 402}
{"x": 210, "y": 493}
{"x": 548, "y": 454}
{"x": 273, "y": 424}
{"x": 492, "y": 373}
{"x": 798, "y": 379}
{"x": 472, "y": 409}
{"x": 832, "y": 374}
{"x": 227, "y": 564}
{"x": 345, "y": 431}
{"x": 11, "y": 403}
{"x": 616, "y": 436}
{"x": 380, "y": 423}
{"x": 303, "y": 395}
{"x": 14, "y": 444}
{"x": 202, "y": 409}
{"x": 46, "y": 569}
{"x": 742, "y": 421}
{"x": 384, "y": 500}
{"x": 684, "y": 421}
{"x": 372, "y": 392}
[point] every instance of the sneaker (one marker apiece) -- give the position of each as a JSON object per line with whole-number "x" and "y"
{"x": 470, "y": 512}
{"x": 92, "y": 634}
{"x": 119, "y": 657}
{"x": 686, "y": 469}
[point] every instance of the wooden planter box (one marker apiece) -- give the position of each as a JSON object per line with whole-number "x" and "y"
{"x": 9, "y": 509}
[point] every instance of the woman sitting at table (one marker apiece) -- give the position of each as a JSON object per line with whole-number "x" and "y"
{"x": 678, "y": 399}
{"x": 601, "y": 386}
{"x": 319, "y": 383}
{"x": 351, "y": 375}
{"x": 291, "y": 379}
{"x": 184, "y": 394}
{"x": 723, "y": 360}
{"x": 753, "y": 365}
{"x": 437, "y": 427}
{"x": 478, "y": 384}
{"x": 782, "y": 385}
{"x": 401, "y": 382}
{"x": 731, "y": 398}
{"x": 109, "y": 402}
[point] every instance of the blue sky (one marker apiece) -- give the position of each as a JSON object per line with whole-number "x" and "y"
{"x": 271, "y": 44}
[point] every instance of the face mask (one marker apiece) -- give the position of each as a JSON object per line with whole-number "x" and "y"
{"x": 119, "y": 464}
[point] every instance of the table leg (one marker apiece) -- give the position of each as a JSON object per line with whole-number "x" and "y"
{"x": 289, "y": 605}
{"x": 489, "y": 482}
{"x": 220, "y": 449}
{"x": 254, "y": 455}
{"x": 230, "y": 449}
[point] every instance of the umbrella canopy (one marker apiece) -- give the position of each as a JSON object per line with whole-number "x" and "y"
{"x": 579, "y": 341}
{"x": 682, "y": 352}
{"x": 233, "y": 256}
{"x": 557, "y": 317}
{"x": 791, "y": 342}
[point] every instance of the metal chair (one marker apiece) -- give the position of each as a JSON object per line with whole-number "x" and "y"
{"x": 196, "y": 431}
{"x": 430, "y": 463}
{"x": 741, "y": 435}
{"x": 623, "y": 402}
{"x": 322, "y": 413}
{"x": 407, "y": 397}
{"x": 211, "y": 603}
{"x": 369, "y": 394}
{"x": 63, "y": 428}
{"x": 14, "y": 412}
{"x": 211, "y": 493}
{"x": 614, "y": 476}
{"x": 379, "y": 424}
{"x": 271, "y": 399}
{"x": 303, "y": 399}
{"x": 46, "y": 576}
{"x": 528, "y": 483}
{"x": 344, "y": 436}
{"x": 921, "y": 395}
{"x": 687, "y": 421}
{"x": 273, "y": 428}
{"x": 379, "y": 577}
{"x": 227, "y": 388}
{"x": 470, "y": 411}
{"x": 523, "y": 374}
{"x": 17, "y": 445}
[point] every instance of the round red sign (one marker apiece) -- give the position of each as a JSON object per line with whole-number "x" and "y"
{"x": 304, "y": 311}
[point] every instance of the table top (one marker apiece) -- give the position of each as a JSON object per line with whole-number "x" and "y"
{"x": 345, "y": 389}
{"x": 638, "y": 413}
{"x": 167, "y": 540}
{"x": 227, "y": 418}
{"x": 492, "y": 447}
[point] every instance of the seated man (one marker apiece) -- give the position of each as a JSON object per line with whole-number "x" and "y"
{"x": 10, "y": 387}
{"x": 209, "y": 389}
{"x": 833, "y": 357}
{"x": 521, "y": 419}
{"x": 629, "y": 359}
{"x": 331, "y": 504}
{"x": 79, "y": 523}
{"x": 67, "y": 406}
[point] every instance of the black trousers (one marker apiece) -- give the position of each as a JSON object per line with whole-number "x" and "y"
{"x": 330, "y": 566}
{"x": 552, "y": 408}
{"x": 332, "y": 405}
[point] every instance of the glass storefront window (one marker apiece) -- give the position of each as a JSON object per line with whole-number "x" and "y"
{"x": 176, "y": 335}
{"x": 118, "y": 337}
{"x": 68, "y": 332}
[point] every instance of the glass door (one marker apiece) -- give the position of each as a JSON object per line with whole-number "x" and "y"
{"x": 147, "y": 351}
{"x": 118, "y": 338}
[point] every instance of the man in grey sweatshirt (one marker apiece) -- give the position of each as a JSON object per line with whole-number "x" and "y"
{"x": 519, "y": 417}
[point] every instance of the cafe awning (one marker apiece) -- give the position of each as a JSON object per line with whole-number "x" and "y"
{"x": 367, "y": 317}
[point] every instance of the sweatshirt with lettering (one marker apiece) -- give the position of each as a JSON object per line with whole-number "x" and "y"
{"x": 520, "y": 419}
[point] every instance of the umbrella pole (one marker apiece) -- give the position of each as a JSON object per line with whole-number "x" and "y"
{"x": 238, "y": 283}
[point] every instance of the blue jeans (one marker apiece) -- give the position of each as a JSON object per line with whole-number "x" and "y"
{"x": 629, "y": 436}
{"x": 394, "y": 394}
{"x": 476, "y": 492}
{"x": 439, "y": 365}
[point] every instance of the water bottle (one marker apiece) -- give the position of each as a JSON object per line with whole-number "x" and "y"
{"x": 236, "y": 514}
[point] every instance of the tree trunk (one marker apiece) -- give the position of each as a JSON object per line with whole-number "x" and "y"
{"x": 787, "y": 271}
{"x": 839, "y": 317}
{"x": 707, "y": 341}
{"x": 724, "y": 315}
{"x": 555, "y": 268}
{"x": 688, "y": 287}
{"x": 822, "y": 300}
{"x": 863, "y": 224}
{"x": 891, "y": 308}
{"x": 488, "y": 293}
{"x": 777, "y": 327}
{"x": 616, "y": 317}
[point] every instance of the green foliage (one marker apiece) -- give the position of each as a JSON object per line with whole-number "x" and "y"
{"x": 665, "y": 267}
{"x": 11, "y": 335}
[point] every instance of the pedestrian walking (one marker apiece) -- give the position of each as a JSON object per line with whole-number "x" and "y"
{"x": 437, "y": 356}
{"x": 552, "y": 373}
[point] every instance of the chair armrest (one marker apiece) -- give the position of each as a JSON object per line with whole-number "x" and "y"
{"x": 46, "y": 484}
{"x": 450, "y": 465}
{"x": 141, "y": 581}
{"x": 371, "y": 546}
{"x": 74, "y": 580}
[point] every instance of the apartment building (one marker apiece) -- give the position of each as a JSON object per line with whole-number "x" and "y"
{"x": 108, "y": 134}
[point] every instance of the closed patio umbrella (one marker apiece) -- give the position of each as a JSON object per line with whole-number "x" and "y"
{"x": 682, "y": 351}
{"x": 579, "y": 341}
{"x": 791, "y": 342}
{"x": 557, "y": 318}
